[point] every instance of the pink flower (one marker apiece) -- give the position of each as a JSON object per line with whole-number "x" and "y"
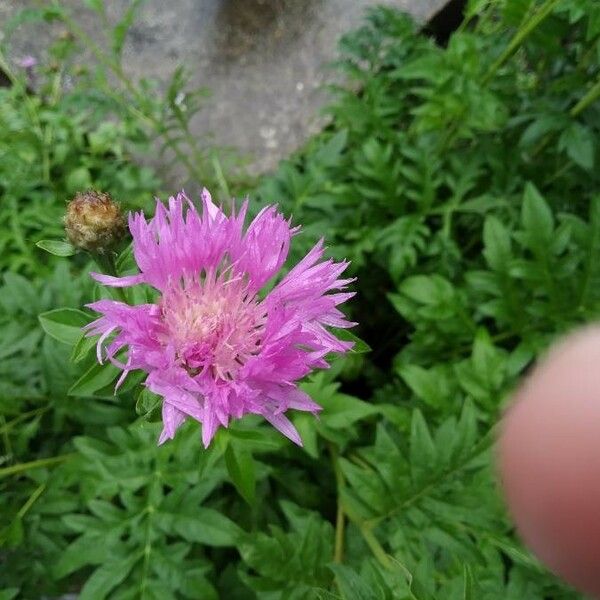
{"x": 27, "y": 62}
{"x": 214, "y": 346}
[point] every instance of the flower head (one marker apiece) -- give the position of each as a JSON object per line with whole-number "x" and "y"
{"x": 213, "y": 345}
{"x": 27, "y": 62}
{"x": 94, "y": 222}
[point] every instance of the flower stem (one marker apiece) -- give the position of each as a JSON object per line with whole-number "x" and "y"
{"x": 591, "y": 97}
{"x": 30, "y": 501}
{"x": 220, "y": 177}
{"x": 338, "y": 554}
{"x": 107, "y": 265}
{"x": 34, "y": 464}
{"x": 376, "y": 548}
{"x": 521, "y": 35}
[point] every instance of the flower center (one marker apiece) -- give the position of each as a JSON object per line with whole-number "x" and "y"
{"x": 214, "y": 324}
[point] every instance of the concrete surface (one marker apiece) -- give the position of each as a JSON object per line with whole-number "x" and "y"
{"x": 264, "y": 60}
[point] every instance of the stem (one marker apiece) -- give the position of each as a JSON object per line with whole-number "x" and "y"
{"x": 107, "y": 265}
{"x": 34, "y": 496}
{"x": 366, "y": 530}
{"x": 35, "y": 464}
{"x": 589, "y": 98}
{"x": 338, "y": 553}
{"x": 220, "y": 177}
{"x": 8, "y": 425}
{"x": 7, "y": 444}
{"x": 376, "y": 548}
{"x": 521, "y": 35}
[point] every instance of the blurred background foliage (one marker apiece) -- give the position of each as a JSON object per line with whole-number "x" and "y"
{"x": 461, "y": 181}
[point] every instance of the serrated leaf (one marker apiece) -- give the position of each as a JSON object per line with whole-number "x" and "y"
{"x": 119, "y": 32}
{"x": 423, "y": 383}
{"x": 350, "y": 584}
{"x": 22, "y": 293}
{"x": 423, "y": 454}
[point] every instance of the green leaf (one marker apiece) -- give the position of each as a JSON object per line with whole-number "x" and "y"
{"x": 468, "y": 589}
{"x": 543, "y": 125}
{"x": 329, "y": 153}
{"x": 12, "y": 535}
{"x": 147, "y": 404}
{"x": 94, "y": 379}
{"x": 350, "y": 584}
{"x": 429, "y": 290}
{"x": 79, "y": 179}
{"x": 64, "y": 324}
{"x": 242, "y": 471}
{"x": 341, "y": 411}
{"x": 306, "y": 425}
{"x": 82, "y": 347}
{"x": 96, "y": 5}
{"x": 497, "y": 247}
{"x": 120, "y": 30}
{"x": 578, "y": 141}
{"x": 107, "y": 577}
{"x": 537, "y": 219}
{"x": 423, "y": 454}
{"x": 427, "y": 385}
{"x": 21, "y": 292}
{"x": 514, "y": 11}
{"x": 57, "y": 247}
{"x": 360, "y": 346}
{"x": 205, "y": 526}
{"x": 85, "y": 550}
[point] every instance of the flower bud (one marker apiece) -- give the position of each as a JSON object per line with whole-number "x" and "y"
{"x": 94, "y": 222}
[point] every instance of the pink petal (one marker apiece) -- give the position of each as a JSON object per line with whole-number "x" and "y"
{"x": 118, "y": 281}
{"x": 283, "y": 424}
{"x": 172, "y": 419}
{"x": 209, "y": 426}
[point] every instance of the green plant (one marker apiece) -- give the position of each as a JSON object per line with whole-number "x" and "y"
{"x": 462, "y": 183}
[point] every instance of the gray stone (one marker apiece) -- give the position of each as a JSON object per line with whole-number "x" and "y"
{"x": 264, "y": 60}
